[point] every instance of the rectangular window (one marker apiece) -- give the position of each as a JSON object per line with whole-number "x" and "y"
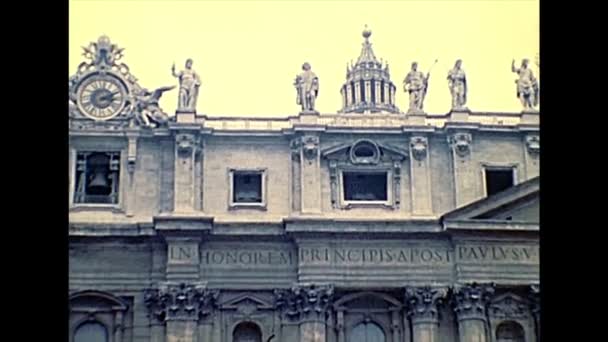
{"x": 498, "y": 179}
{"x": 365, "y": 186}
{"x": 97, "y": 177}
{"x": 247, "y": 188}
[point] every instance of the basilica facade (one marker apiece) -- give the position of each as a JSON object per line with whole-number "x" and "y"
{"x": 370, "y": 224}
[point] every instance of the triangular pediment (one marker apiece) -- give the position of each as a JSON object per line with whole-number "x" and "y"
{"x": 247, "y": 300}
{"x": 519, "y": 203}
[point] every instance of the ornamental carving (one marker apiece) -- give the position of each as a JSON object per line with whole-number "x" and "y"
{"x": 470, "y": 301}
{"x": 310, "y": 146}
{"x": 533, "y": 144}
{"x": 460, "y": 143}
{"x": 422, "y": 303}
{"x": 419, "y": 146}
{"x": 180, "y": 302}
{"x": 534, "y": 297}
{"x": 305, "y": 301}
{"x": 186, "y": 144}
{"x": 508, "y": 306}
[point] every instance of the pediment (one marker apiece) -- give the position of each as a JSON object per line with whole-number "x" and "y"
{"x": 519, "y": 203}
{"x": 247, "y": 302}
{"x": 344, "y": 151}
{"x": 508, "y": 306}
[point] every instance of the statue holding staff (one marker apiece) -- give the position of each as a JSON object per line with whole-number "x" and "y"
{"x": 416, "y": 84}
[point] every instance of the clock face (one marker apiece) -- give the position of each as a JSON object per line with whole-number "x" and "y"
{"x": 101, "y": 97}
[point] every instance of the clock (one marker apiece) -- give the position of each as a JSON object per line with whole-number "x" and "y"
{"x": 101, "y": 97}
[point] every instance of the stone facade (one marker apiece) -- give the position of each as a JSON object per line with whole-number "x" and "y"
{"x": 178, "y": 258}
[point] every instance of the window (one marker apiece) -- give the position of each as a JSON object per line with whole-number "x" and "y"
{"x": 91, "y": 332}
{"x": 247, "y": 332}
{"x": 365, "y": 186}
{"x": 498, "y": 179}
{"x": 248, "y": 188}
{"x": 97, "y": 176}
{"x": 509, "y": 332}
{"x": 367, "y": 332}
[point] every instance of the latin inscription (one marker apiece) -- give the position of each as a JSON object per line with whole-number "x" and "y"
{"x": 183, "y": 253}
{"x": 498, "y": 253}
{"x": 248, "y": 257}
{"x": 375, "y": 255}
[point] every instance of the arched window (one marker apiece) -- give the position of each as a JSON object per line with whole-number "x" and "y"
{"x": 367, "y": 332}
{"x": 91, "y": 332}
{"x": 510, "y": 332}
{"x": 247, "y": 332}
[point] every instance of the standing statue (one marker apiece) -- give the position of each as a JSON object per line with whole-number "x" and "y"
{"x": 189, "y": 82}
{"x": 307, "y": 85}
{"x": 527, "y": 86}
{"x": 457, "y": 82}
{"x": 416, "y": 84}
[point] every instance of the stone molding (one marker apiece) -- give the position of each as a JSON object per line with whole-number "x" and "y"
{"x": 470, "y": 301}
{"x": 422, "y": 303}
{"x": 172, "y": 301}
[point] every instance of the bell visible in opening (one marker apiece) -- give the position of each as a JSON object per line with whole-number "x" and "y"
{"x": 99, "y": 183}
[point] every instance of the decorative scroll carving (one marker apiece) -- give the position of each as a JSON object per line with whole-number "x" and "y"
{"x": 295, "y": 145}
{"x": 419, "y": 146}
{"x": 470, "y": 301}
{"x": 364, "y": 152}
{"x": 180, "y": 302}
{"x": 333, "y": 181}
{"x": 310, "y": 146}
{"x": 305, "y": 301}
{"x": 533, "y": 144}
{"x": 397, "y": 182}
{"x": 461, "y": 143}
{"x": 508, "y": 306}
{"x": 422, "y": 302}
{"x": 186, "y": 144}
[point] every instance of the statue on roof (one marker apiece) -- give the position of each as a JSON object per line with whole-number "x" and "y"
{"x": 457, "y": 82}
{"x": 527, "y": 85}
{"x": 416, "y": 84}
{"x": 189, "y": 83}
{"x": 146, "y": 110}
{"x": 307, "y": 86}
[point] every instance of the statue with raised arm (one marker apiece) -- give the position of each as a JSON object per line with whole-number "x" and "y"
{"x": 189, "y": 82}
{"x": 527, "y": 86}
{"x": 307, "y": 86}
{"x": 457, "y": 82}
{"x": 416, "y": 84}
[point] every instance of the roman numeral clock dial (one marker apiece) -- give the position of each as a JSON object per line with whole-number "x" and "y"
{"x": 101, "y": 97}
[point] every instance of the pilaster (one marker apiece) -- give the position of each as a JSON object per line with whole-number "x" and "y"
{"x": 465, "y": 180}
{"x": 420, "y": 176}
{"x": 422, "y": 305}
{"x": 470, "y": 305}
{"x": 306, "y": 150}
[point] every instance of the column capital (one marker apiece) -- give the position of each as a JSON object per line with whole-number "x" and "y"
{"x": 534, "y": 297}
{"x": 180, "y": 301}
{"x": 422, "y": 303}
{"x": 305, "y": 301}
{"x": 470, "y": 301}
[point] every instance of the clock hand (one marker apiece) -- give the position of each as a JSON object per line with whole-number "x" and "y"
{"x": 108, "y": 97}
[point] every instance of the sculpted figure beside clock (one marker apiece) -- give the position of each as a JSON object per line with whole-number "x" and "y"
{"x": 189, "y": 82}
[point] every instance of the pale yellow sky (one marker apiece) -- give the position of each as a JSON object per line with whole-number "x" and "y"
{"x": 248, "y": 52}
